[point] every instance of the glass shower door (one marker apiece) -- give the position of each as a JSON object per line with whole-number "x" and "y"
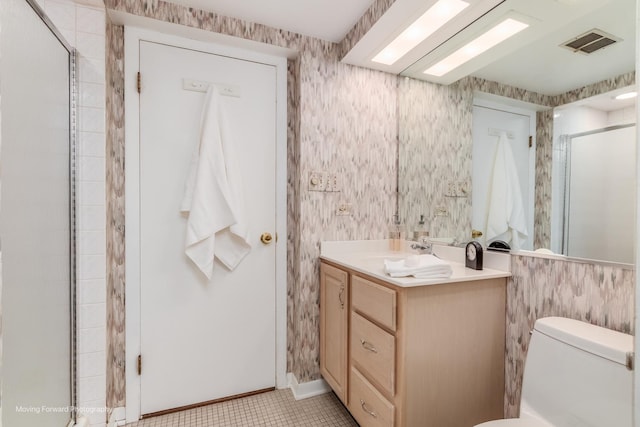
{"x": 35, "y": 220}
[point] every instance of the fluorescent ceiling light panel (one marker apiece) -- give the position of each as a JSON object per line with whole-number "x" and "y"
{"x": 434, "y": 18}
{"x": 627, "y": 95}
{"x": 507, "y": 28}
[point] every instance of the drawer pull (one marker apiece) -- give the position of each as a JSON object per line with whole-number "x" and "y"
{"x": 363, "y": 404}
{"x": 368, "y": 346}
{"x": 341, "y": 297}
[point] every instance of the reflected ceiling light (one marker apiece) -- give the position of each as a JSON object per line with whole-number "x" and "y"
{"x": 627, "y": 95}
{"x": 507, "y": 28}
{"x": 434, "y": 18}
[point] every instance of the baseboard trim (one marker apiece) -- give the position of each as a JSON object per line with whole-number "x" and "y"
{"x": 306, "y": 390}
{"x": 117, "y": 417}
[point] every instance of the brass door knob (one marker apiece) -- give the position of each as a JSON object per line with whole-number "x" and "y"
{"x": 475, "y": 234}
{"x": 266, "y": 238}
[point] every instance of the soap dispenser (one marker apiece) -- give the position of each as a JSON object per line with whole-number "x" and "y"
{"x": 396, "y": 234}
{"x": 421, "y": 233}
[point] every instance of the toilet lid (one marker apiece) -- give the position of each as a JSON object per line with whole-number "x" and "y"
{"x": 514, "y": 422}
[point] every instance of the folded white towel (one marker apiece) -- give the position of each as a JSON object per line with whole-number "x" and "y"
{"x": 421, "y": 266}
{"x": 213, "y": 195}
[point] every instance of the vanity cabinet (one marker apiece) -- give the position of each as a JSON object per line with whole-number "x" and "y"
{"x": 423, "y": 356}
{"x": 334, "y": 320}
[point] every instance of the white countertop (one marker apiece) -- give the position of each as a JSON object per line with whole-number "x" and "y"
{"x": 367, "y": 257}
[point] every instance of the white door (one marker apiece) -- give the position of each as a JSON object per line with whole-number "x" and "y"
{"x": 203, "y": 339}
{"x": 520, "y": 125}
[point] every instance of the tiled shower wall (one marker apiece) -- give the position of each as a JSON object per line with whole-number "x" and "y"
{"x": 82, "y": 23}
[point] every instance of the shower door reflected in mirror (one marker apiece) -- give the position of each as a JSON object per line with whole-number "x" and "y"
{"x": 599, "y": 194}
{"x": 36, "y": 220}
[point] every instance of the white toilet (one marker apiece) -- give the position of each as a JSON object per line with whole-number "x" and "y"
{"x": 575, "y": 375}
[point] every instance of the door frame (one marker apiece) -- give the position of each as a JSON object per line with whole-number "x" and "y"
{"x": 133, "y": 37}
{"x": 528, "y": 110}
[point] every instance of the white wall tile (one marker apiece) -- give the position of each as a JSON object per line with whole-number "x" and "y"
{"x": 92, "y": 242}
{"x": 92, "y": 193}
{"x": 91, "y": 95}
{"x": 61, "y": 14}
{"x": 90, "y": 45}
{"x": 90, "y": 20}
{"x": 92, "y": 388}
{"x": 69, "y": 36}
{"x": 91, "y": 144}
{"x": 91, "y": 267}
{"x": 92, "y": 340}
{"x": 93, "y": 316}
{"x": 91, "y": 119}
{"x": 82, "y": 24}
{"x": 92, "y": 291}
{"x": 91, "y": 364}
{"x": 92, "y": 169}
{"x": 89, "y": 406}
{"x": 91, "y": 70}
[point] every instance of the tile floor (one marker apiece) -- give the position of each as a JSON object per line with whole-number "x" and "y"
{"x": 275, "y": 408}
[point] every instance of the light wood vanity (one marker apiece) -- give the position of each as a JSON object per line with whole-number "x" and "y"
{"x": 418, "y": 356}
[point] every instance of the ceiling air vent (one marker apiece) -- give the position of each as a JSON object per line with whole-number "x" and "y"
{"x": 590, "y": 41}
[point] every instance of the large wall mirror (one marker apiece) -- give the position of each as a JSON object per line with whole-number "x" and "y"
{"x": 555, "y": 107}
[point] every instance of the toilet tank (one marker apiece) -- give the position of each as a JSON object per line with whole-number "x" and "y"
{"x": 576, "y": 375}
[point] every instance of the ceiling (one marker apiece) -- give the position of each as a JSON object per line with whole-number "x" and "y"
{"x": 544, "y": 67}
{"x": 324, "y": 19}
{"x": 534, "y": 61}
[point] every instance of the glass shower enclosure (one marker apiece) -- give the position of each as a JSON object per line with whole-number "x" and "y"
{"x": 37, "y": 243}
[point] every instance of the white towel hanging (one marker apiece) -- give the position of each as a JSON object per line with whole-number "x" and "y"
{"x": 505, "y": 210}
{"x": 213, "y": 196}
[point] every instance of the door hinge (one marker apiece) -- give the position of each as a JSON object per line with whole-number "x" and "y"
{"x": 530, "y": 136}
{"x": 139, "y": 82}
{"x": 139, "y": 364}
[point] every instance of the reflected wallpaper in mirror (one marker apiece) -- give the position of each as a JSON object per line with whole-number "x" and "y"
{"x": 435, "y": 126}
{"x": 435, "y": 151}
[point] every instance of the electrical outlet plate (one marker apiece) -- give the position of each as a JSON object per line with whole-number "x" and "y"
{"x": 333, "y": 183}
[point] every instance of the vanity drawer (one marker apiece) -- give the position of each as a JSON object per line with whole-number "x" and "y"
{"x": 374, "y": 301}
{"x": 373, "y": 350}
{"x": 367, "y": 405}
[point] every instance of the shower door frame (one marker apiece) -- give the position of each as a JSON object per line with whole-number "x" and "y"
{"x": 72, "y": 185}
{"x": 566, "y": 148}
{"x": 73, "y": 97}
